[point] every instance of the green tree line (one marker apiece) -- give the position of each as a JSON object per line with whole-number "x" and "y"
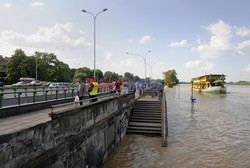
{"x": 49, "y": 68}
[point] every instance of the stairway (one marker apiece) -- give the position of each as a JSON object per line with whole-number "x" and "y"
{"x": 146, "y": 117}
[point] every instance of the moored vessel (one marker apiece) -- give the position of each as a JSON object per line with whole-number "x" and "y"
{"x": 213, "y": 83}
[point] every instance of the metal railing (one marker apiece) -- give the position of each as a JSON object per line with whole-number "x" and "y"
{"x": 164, "y": 126}
{"x": 24, "y": 96}
{"x": 19, "y": 96}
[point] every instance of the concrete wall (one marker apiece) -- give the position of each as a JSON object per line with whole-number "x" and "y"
{"x": 78, "y": 137}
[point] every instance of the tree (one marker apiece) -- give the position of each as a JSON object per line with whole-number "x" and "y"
{"x": 137, "y": 78}
{"x": 128, "y": 76}
{"x": 99, "y": 74}
{"x": 80, "y": 75}
{"x": 87, "y": 71}
{"x": 108, "y": 75}
{"x": 17, "y": 66}
{"x": 170, "y": 78}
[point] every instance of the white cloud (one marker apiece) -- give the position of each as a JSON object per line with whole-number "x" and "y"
{"x": 247, "y": 68}
{"x": 7, "y": 5}
{"x": 59, "y": 36}
{"x": 243, "y": 45}
{"x": 108, "y": 55}
{"x": 145, "y": 39}
{"x": 131, "y": 41}
{"x": 243, "y": 32}
{"x": 208, "y": 66}
{"x": 182, "y": 43}
{"x": 121, "y": 66}
{"x": 198, "y": 40}
{"x": 192, "y": 64}
{"x": 37, "y": 4}
{"x": 201, "y": 65}
{"x": 220, "y": 41}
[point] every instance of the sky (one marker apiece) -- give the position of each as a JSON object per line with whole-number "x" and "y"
{"x": 193, "y": 37}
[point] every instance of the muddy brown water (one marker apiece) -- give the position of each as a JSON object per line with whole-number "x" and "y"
{"x": 215, "y": 135}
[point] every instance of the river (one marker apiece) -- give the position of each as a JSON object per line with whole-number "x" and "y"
{"x": 215, "y": 135}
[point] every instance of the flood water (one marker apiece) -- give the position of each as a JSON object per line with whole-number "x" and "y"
{"x": 215, "y": 135}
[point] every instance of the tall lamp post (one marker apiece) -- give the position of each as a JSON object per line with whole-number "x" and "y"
{"x": 144, "y": 58}
{"x": 36, "y": 68}
{"x": 94, "y": 17}
{"x": 151, "y": 69}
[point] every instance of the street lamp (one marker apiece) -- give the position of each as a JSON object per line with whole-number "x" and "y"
{"x": 36, "y": 68}
{"x": 151, "y": 70}
{"x": 144, "y": 58}
{"x": 94, "y": 17}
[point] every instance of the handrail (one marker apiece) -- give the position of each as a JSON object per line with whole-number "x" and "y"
{"x": 17, "y": 95}
{"x": 38, "y": 91}
{"x": 64, "y": 104}
{"x": 85, "y": 100}
{"x": 164, "y": 120}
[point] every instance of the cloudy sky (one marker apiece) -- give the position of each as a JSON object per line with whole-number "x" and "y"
{"x": 191, "y": 36}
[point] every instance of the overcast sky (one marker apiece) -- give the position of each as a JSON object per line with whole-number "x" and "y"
{"x": 194, "y": 37}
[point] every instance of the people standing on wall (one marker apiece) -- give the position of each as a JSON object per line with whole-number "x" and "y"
{"x": 80, "y": 90}
{"x": 93, "y": 90}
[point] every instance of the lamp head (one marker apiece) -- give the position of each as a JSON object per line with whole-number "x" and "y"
{"x": 84, "y": 10}
{"x": 105, "y": 9}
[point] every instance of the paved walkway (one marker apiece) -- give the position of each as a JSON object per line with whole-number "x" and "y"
{"x": 23, "y": 121}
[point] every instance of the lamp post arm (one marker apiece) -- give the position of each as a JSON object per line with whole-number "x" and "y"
{"x": 136, "y": 55}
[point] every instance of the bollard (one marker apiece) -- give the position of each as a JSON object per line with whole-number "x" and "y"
{"x": 65, "y": 96}
{"x": 73, "y": 92}
{"x": 14, "y": 92}
{"x": 1, "y": 96}
{"x": 46, "y": 95}
{"x": 34, "y": 97}
{"x": 19, "y": 98}
{"x": 25, "y": 92}
{"x": 56, "y": 94}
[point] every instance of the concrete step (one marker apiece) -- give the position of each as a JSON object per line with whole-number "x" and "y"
{"x": 145, "y": 120}
{"x": 153, "y": 104}
{"x": 146, "y": 113}
{"x": 144, "y": 128}
{"x": 145, "y": 124}
{"x": 148, "y": 103}
{"x": 147, "y": 109}
{"x": 146, "y": 116}
{"x": 143, "y": 132}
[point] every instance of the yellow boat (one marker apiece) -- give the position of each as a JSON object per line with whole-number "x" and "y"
{"x": 213, "y": 83}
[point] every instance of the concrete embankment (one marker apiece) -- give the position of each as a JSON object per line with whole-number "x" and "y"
{"x": 76, "y": 137}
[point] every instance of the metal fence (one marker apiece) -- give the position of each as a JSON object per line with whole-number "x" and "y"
{"x": 11, "y": 97}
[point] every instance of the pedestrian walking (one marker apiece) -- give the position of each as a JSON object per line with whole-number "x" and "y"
{"x": 80, "y": 90}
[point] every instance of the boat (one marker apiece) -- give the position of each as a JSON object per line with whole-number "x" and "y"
{"x": 213, "y": 83}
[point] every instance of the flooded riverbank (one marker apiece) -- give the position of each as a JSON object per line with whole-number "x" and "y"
{"x": 215, "y": 134}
